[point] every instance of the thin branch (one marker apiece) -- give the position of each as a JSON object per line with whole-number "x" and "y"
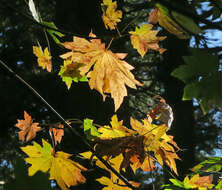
{"x": 67, "y": 125}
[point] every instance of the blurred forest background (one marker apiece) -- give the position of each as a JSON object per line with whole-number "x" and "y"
{"x": 197, "y": 134}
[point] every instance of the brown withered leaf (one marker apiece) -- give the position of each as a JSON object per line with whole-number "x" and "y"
{"x": 27, "y": 127}
{"x": 162, "y": 112}
{"x": 108, "y": 72}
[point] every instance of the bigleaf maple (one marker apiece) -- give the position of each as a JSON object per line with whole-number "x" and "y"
{"x": 27, "y": 127}
{"x": 144, "y": 38}
{"x": 110, "y": 16}
{"x": 44, "y": 58}
{"x": 108, "y": 72}
{"x": 42, "y": 158}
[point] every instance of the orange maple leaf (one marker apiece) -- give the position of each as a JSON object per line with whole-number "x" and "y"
{"x": 58, "y": 133}
{"x": 144, "y": 38}
{"x": 110, "y": 16}
{"x": 44, "y": 58}
{"x": 147, "y": 163}
{"x": 107, "y": 71}
{"x": 27, "y": 127}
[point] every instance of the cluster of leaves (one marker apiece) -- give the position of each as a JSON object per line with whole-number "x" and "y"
{"x": 208, "y": 169}
{"x": 143, "y": 146}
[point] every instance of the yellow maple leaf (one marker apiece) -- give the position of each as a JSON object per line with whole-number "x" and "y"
{"x": 202, "y": 183}
{"x": 65, "y": 171}
{"x": 116, "y": 130}
{"x": 107, "y": 71}
{"x": 157, "y": 141}
{"x": 114, "y": 162}
{"x": 44, "y": 58}
{"x": 113, "y": 185}
{"x": 111, "y": 16}
{"x": 144, "y": 38}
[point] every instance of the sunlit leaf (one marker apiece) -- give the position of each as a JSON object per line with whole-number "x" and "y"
{"x": 144, "y": 38}
{"x": 110, "y": 16}
{"x": 107, "y": 71}
{"x": 27, "y": 127}
{"x": 65, "y": 171}
{"x": 44, "y": 58}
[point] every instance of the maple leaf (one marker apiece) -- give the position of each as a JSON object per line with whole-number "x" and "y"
{"x": 44, "y": 58}
{"x": 90, "y": 130}
{"x": 65, "y": 171}
{"x": 107, "y": 71}
{"x": 114, "y": 162}
{"x": 58, "y": 133}
{"x": 157, "y": 141}
{"x": 202, "y": 183}
{"x": 116, "y": 130}
{"x": 113, "y": 185}
{"x": 144, "y": 38}
{"x": 110, "y": 16}
{"x": 27, "y": 127}
{"x": 70, "y": 73}
{"x": 147, "y": 163}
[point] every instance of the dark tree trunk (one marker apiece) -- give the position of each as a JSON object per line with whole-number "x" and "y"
{"x": 183, "y": 125}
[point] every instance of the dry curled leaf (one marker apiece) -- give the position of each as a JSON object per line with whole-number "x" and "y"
{"x": 27, "y": 127}
{"x": 58, "y": 132}
{"x": 110, "y": 16}
{"x": 162, "y": 112}
{"x": 108, "y": 72}
{"x": 144, "y": 38}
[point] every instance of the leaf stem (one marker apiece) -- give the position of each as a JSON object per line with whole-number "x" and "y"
{"x": 53, "y": 141}
{"x": 110, "y": 43}
{"x": 74, "y": 132}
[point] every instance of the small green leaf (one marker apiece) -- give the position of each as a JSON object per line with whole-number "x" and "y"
{"x": 70, "y": 72}
{"x": 219, "y": 185}
{"x": 53, "y": 33}
{"x": 90, "y": 130}
{"x": 177, "y": 182}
